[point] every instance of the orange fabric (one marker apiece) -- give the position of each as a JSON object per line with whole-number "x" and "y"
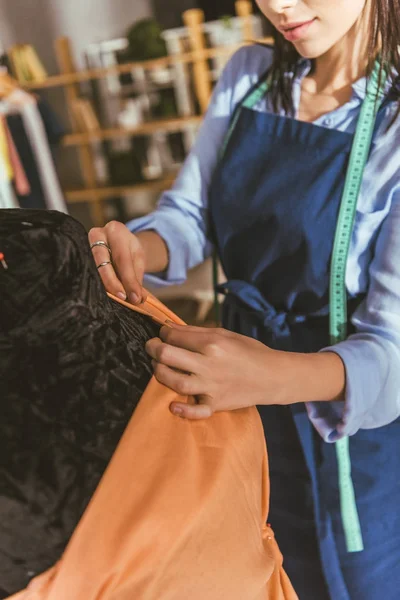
{"x": 179, "y": 515}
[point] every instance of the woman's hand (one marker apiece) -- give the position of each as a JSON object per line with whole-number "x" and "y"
{"x": 124, "y": 278}
{"x": 226, "y": 371}
{"x": 221, "y": 369}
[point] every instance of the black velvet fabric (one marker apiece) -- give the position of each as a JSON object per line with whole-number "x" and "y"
{"x": 72, "y": 369}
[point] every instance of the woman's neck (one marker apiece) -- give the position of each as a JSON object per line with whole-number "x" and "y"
{"x": 329, "y": 84}
{"x": 343, "y": 64}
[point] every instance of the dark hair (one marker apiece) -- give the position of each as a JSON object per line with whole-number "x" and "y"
{"x": 384, "y": 35}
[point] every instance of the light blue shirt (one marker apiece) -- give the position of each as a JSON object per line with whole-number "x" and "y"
{"x": 372, "y": 355}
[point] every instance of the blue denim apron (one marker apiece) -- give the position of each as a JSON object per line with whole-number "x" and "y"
{"x": 274, "y": 202}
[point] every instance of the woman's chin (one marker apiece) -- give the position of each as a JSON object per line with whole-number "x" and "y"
{"x": 312, "y": 49}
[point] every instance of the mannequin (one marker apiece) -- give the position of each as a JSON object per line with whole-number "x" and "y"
{"x": 175, "y": 497}
{"x": 73, "y": 368}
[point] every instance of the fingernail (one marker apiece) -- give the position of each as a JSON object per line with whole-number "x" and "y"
{"x": 121, "y": 295}
{"x": 134, "y": 298}
{"x": 178, "y": 411}
{"x": 170, "y": 324}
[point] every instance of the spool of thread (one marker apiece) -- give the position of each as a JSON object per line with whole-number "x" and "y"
{"x": 3, "y": 261}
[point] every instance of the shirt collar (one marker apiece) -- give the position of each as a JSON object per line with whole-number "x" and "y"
{"x": 359, "y": 87}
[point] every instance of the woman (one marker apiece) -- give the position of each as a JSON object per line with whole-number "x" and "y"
{"x": 264, "y": 184}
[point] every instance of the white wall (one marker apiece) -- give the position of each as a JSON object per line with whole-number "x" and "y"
{"x": 40, "y": 22}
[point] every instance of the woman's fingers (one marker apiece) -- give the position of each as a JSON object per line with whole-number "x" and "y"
{"x": 182, "y": 338}
{"x": 181, "y": 383}
{"x": 128, "y": 259}
{"x": 101, "y": 255}
{"x": 125, "y": 276}
{"x": 193, "y": 412}
{"x": 198, "y": 339}
{"x": 171, "y": 356}
{"x": 219, "y": 331}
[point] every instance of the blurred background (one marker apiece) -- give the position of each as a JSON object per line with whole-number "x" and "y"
{"x": 120, "y": 87}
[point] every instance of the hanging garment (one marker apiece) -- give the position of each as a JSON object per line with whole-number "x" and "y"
{"x": 274, "y": 202}
{"x": 20, "y": 180}
{"x": 37, "y": 136}
{"x": 5, "y": 152}
{"x": 34, "y": 128}
{"x": 181, "y": 510}
{"x": 36, "y": 198}
{"x": 7, "y": 195}
{"x": 52, "y": 124}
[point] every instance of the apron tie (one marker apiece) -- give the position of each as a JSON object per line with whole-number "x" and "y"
{"x": 275, "y": 322}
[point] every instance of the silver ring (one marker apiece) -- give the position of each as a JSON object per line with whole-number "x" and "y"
{"x": 101, "y": 244}
{"x": 104, "y": 264}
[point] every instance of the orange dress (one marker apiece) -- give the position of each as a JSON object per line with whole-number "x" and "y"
{"x": 180, "y": 513}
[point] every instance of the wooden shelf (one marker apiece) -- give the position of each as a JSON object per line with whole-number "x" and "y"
{"x": 198, "y": 59}
{"x": 102, "y": 193}
{"x": 167, "y": 61}
{"x": 165, "y": 125}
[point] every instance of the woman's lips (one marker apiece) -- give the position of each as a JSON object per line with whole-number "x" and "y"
{"x": 296, "y": 31}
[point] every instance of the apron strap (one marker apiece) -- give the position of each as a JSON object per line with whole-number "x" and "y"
{"x": 251, "y": 98}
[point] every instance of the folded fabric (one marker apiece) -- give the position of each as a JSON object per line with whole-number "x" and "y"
{"x": 172, "y": 509}
{"x": 195, "y": 529}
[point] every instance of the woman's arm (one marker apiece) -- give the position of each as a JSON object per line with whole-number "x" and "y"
{"x": 228, "y": 371}
{"x": 352, "y": 385}
{"x": 372, "y": 355}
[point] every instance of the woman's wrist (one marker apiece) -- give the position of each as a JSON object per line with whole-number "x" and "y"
{"x": 310, "y": 377}
{"x": 155, "y": 251}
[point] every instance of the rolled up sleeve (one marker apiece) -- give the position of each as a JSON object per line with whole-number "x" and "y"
{"x": 184, "y": 235}
{"x": 372, "y": 355}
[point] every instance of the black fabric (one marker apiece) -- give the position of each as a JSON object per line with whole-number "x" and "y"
{"x": 73, "y": 367}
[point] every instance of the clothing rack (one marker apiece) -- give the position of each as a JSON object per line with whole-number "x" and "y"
{"x": 28, "y": 131}
{"x": 70, "y": 79}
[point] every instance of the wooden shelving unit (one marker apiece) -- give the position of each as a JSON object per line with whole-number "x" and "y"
{"x": 159, "y": 63}
{"x": 70, "y": 79}
{"x": 102, "y": 193}
{"x": 166, "y": 125}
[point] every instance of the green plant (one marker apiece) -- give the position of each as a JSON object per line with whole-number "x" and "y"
{"x": 145, "y": 41}
{"x": 226, "y": 21}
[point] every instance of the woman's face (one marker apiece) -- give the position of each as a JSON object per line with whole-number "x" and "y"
{"x": 313, "y": 26}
